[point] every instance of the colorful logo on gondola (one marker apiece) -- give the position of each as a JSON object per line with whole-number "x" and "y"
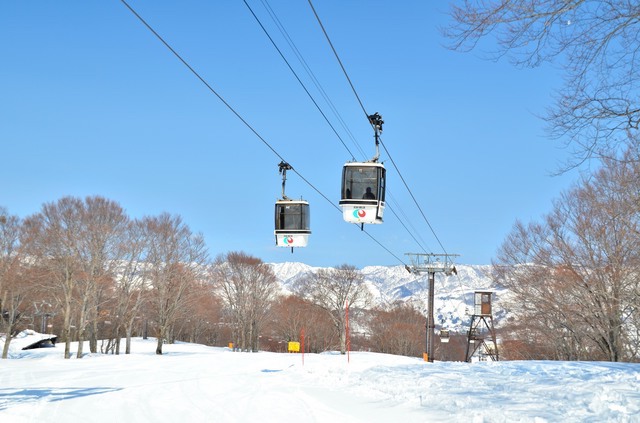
{"x": 359, "y": 213}
{"x": 288, "y": 240}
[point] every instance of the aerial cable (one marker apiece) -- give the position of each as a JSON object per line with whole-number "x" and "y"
{"x": 378, "y": 242}
{"x": 405, "y": 227}
{"x": 374, "y": 119}
{"x": 365, "y": 112}
{"x": 297, "y": 77}
{"x": 373, "y": 124}
{"x": 464, "y": 295}
{"x": 315, "y": 189}
{"x": 311, "y": 74}
{"x": 414, "y": 198}
{"x": 184, "y": 62}
{"x": 223, "y": 100}
{"x": 415, "y": 235}
{"x": 338, "y": 58}
{"x": 241, "y": 118}
{"x": 391, "y": 200}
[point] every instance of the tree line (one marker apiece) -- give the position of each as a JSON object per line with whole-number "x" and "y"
{"x": 91, "y": 273}
{"x": 86, "y": 271}
{"x": 574, "y": 276}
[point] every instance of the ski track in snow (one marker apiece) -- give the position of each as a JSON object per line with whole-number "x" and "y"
{"x": 205, "y": 384}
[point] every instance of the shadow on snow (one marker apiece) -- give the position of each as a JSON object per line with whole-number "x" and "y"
{"x": 13, "y": 397}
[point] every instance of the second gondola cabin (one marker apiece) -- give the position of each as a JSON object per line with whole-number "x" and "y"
{"x": 363, "y": 192}
{"x": 292, "y": 223}
{"x": 292, "y": 227}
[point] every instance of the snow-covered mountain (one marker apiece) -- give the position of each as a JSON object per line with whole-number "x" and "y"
{"x": 453, "y": 300}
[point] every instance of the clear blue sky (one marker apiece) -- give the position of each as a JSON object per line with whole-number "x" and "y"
{"x": 91, "y": 103}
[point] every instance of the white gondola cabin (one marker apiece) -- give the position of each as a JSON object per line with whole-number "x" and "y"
{"x": 292, "y": 223}
{"x": 363, "y": 192}
{"x": 292, "y": 217}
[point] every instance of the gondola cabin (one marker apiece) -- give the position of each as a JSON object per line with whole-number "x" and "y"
{"x": 363, "y": 191}
{"x": 292, "y": 223}
{"x": 444, "y": 336}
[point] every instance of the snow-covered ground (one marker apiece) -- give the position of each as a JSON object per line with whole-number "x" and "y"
{"x": 195, "y": 383}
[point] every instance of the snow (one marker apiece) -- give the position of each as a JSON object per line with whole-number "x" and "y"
{"x": 26, "y": 338}
{"x": 210, "y": 384}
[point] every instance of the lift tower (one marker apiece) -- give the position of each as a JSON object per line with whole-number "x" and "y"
{"x": 431, "y": 264}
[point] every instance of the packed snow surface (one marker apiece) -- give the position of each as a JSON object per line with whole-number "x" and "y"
{"x": 195, "y": 383}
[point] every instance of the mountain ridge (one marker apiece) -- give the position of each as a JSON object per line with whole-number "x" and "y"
{"x": 453, "y": 295}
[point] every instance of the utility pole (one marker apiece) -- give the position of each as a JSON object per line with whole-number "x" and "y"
{"x": 431, "y": 264}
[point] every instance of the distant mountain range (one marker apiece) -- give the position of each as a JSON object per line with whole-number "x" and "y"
{"x": 453, "y": 301}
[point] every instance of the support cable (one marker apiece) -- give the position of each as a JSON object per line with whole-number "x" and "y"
{"x": 405, "y": 227}
{"x": 184, "y": 62}
{"x": 338, "y": 59}
{"x": 366, "y": 114}
{"x": 377, "y": 138}
{"x": 413, "y": 197}
{"x": 392, "y": 201}
{"x": 301, "y": 59}
{"x": 296, "y": 76}
{"x": 310, "y": 73}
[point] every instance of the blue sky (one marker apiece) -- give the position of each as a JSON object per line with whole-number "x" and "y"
{"x": 91, "y": 103}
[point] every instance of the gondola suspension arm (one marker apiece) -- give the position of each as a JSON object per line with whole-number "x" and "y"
{"x": 282, "y": 169}
{"x": 376, "y": 121}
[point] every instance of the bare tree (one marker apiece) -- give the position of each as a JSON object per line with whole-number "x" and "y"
{"x": 248, "y": 286}
{"x": 13, "y": 287}
{"x": 9, "y": 242}
{"x": 292, "y": 315}
{"x": 176, "y": 259}
{"x": 333, "y": 290}
{"x": 201, "y": 323}
{"x": 574, "y": 278}
{"x": 595, "y": 43}
{"x": 50, "y": 240}
{"x": 130, "y": 284}
{"x": 398, "y": 329}
{"x": 99, "y": 249}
